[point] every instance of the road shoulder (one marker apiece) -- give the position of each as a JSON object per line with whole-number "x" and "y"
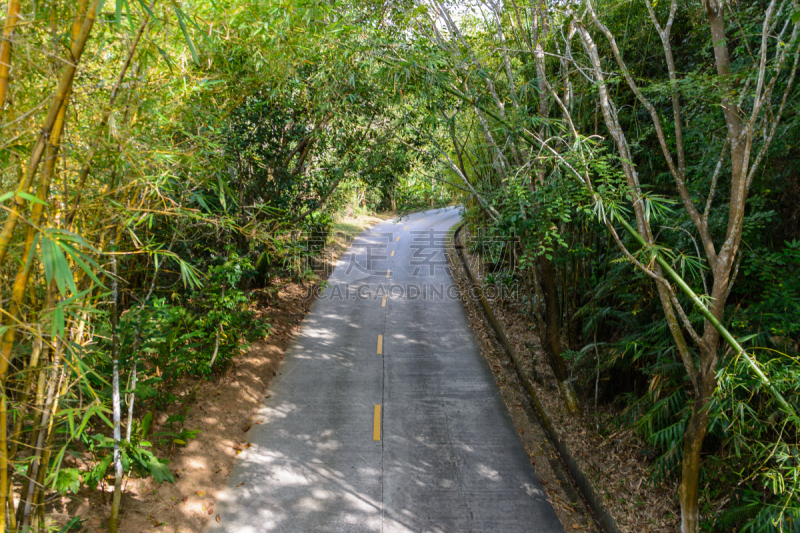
{"x": 572, "y": 510}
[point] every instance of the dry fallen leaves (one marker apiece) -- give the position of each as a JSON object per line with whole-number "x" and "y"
{"x": 618, "y": 479}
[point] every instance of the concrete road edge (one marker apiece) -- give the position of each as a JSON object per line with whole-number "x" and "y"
{"x": 583, "y": 483}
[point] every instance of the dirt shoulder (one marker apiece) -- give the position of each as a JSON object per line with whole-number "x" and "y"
{"x": 223, "y": 409}
{"x": 615, "y": 463}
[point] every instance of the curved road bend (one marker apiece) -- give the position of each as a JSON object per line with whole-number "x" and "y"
{"x": 386, "y": 416}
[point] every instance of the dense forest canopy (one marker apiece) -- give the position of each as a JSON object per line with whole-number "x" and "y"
{"x": 160, "y": 161}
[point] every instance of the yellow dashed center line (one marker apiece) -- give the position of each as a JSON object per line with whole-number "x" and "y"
{"x": 383, "y": 304}
{"x": 376, "y": 425}
{"x": 405, "y": 228}
{"x": 380, "y": 344}
{"x": 388, "y": 271}
{"x": 392, "y": 253}
{"x": 397, "y": 239}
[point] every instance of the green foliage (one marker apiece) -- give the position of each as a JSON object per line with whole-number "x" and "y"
{"x": 74, "y": 524}
{"x": 775, "y": 275}
{"x": 242, "y": 129}
{"x": 136, "y": 455}
{"x": 222, "y": 317}
{"x": 68, "y": 480}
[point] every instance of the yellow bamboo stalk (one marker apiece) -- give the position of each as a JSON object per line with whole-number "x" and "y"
{"x": 51, "y": 122}
{"x": 3, "y": 445}
{"x": 5, "y": 48}
{"x": 54, "y": 142}
{"x": 106, "y": 115}
{"x": 60, "y": 97}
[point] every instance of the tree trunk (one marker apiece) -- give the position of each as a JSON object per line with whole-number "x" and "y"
{"x": 689, "y": 491}
{"x": 552, "y": 341}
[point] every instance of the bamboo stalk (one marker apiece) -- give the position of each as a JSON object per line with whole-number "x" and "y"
{"x": 54, "y": 141}
{"x": 87, "y": 166}
{"x": 723, "y": 331}
{"x": 51, "y": 121}
{"x": 61, "y": 96}
{"x": 40, "y": 406}
{"x": 41, "y": 383}
{"x": 34, "y": 370}
{"x": 5, "y": 48}
{"x": 39, "y": 494}
{"x": 113, "y": 521}
{"x": 36, "y": 465}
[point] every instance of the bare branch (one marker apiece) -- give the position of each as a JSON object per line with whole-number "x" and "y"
{"x": 678, "y": 171}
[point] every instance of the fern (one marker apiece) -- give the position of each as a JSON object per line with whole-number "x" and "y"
{"x": 737, "y": 516}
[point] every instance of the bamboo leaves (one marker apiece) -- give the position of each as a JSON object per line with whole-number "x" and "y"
{"x": 55, "y": 246}
{"x": 189, "y": 274}
{"x": 182, "y": 21}
{"x": 120, "y": 5}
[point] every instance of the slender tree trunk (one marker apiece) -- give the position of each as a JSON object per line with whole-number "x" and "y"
{"x": 113, "y": 522}
{"x": 135, "y": 351}
{"x": 552, "y": 342}
{"x": 689, "y": 491}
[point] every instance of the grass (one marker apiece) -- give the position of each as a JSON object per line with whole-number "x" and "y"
{"x": 346, "y": 228}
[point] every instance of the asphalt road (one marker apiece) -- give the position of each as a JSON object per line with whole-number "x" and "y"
{"x": 386, "y": 416}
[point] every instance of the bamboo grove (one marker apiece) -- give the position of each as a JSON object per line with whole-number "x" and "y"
{"x": 632, "y": 160}
{"x": 159, "y": 163}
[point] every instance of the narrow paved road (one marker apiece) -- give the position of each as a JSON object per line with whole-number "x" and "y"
{"x": 386, "y": 416}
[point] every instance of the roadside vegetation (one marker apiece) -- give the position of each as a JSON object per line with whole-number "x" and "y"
{"x": 161, "y": 162}
{"x": 629, "y": 165}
